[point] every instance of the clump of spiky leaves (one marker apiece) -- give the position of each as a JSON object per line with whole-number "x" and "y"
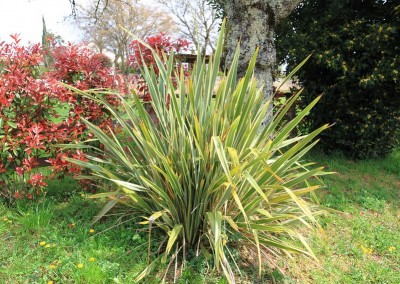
{"x": 207, "y": 170}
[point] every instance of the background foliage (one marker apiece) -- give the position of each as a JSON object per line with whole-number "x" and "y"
{"x": 355, "y": 65}
{"x": 101, "y": 22}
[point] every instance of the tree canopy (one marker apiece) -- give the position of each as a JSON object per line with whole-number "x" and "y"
{"x": 101, "y": 21}
{"x": 196, "y": 21}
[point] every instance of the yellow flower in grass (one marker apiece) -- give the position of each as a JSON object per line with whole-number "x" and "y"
{"x": 43, "y": 243}
{"x": 91, "y": 231}
{"x": 91, "y": 259}
{"x": 50, "y": 282}
{"x": 5, "y": 219}
{"x": 52, "y": 266}
{"x": 47, "y": 246}
{"x": 367, "y": 250}
{"x": 392, "y": 249}
{"x": 80, "y": 265}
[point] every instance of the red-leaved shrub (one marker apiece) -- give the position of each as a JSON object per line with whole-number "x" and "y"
{"x": 141, "y": 55}
{"x": 37, "y": 112}
{"x": 32, "y": 102}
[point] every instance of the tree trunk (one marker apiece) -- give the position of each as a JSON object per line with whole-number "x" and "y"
{"x": 252, "y": 22}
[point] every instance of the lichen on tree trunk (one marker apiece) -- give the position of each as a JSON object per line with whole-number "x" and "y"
{"x": 252, "y": 22}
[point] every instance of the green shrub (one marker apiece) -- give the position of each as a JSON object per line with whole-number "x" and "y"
{"x": 205, "y": 174}
{"x": 355, "y": 65}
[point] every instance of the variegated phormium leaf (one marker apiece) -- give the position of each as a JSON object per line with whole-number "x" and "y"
{"x": 206, "y": 170}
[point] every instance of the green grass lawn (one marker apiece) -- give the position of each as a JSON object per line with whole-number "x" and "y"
{"x": 362, "y": 241}
{"x": 52, "y": 240}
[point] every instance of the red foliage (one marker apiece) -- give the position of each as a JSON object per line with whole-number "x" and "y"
{"x": 30, "y": 95}
{"x": 142, "y": 55}
{"x": 79, "y": 67}
{"x": 31, "y": 101}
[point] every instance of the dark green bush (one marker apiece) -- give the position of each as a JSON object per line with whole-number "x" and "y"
{"x": 355, "y": 65}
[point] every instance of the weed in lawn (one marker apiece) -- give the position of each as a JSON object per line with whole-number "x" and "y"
{"x": 3, "y": 226}
{"x": 34, "y": 217}
{"x": 392, "y": 163}
{"x": 372, "y": 203}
